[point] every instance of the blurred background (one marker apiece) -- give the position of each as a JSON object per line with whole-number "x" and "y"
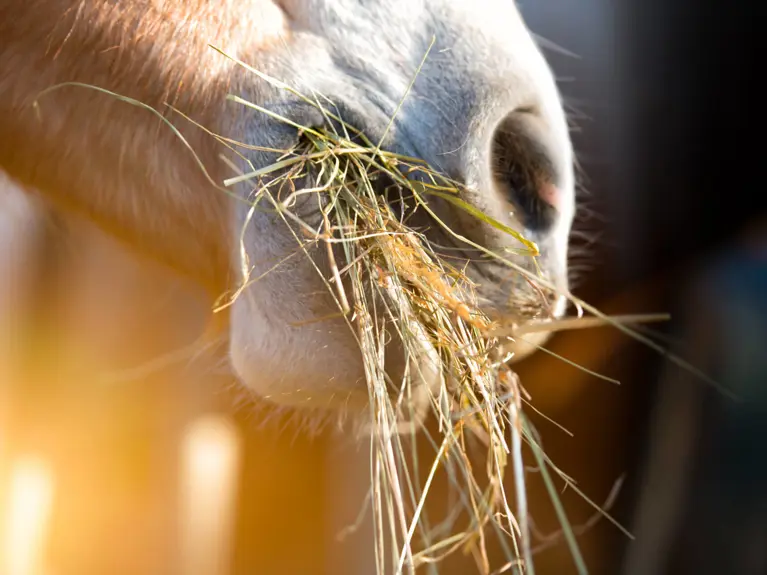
{"x": 114, "y": 476}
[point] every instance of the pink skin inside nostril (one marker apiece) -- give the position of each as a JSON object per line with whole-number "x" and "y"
{"x": 550, "y": 194}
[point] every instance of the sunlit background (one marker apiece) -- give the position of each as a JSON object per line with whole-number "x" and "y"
{"x": 163, "y": 466}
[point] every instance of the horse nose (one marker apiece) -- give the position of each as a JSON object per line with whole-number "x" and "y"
{"x": 527, "y": 169}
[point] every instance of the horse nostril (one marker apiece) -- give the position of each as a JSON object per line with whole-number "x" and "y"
{"x": 524, "y": 169}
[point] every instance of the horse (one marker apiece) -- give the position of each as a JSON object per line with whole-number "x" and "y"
{"x": 461, "y": 85}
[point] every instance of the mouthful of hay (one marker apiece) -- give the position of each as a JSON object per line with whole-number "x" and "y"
{"x": 391, "y": 282}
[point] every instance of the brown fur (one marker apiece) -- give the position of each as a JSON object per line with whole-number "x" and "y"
{"x": 93, "y": 153}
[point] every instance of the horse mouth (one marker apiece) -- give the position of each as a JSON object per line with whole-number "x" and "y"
{"x": 505, "y": 293}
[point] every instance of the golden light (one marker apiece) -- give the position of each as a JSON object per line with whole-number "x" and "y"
{"x": 30, "y": 498}
{"x": 210, "y": 461}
